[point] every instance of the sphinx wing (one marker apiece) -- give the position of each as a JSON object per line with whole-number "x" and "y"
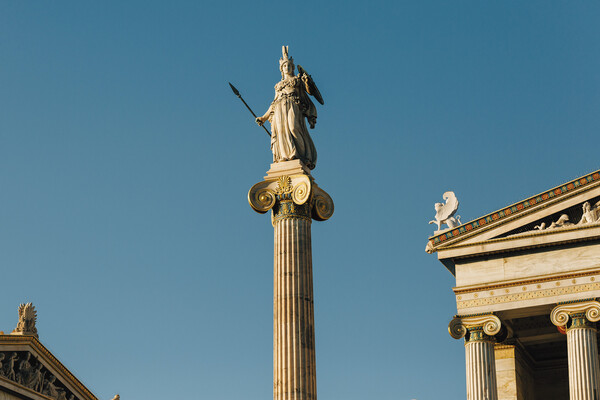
{"x": 448, "y": 209}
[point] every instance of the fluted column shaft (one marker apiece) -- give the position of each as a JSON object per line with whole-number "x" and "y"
{"x": 290, "y": 192}
{"x": 480, "y": 333}
{"x": 579, "y": 319}
{"x": 293, "y": 328}
{"x": 583, "y": 363}
{"x": 481, "y": 368}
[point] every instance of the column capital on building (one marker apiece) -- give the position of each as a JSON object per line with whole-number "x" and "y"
{"x": 476, "y": 327}
{"x": 291, "y": 192}
{"x": 577, "y": 314}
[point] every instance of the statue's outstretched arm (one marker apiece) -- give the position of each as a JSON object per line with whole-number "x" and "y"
{"x": 261, "y": 120}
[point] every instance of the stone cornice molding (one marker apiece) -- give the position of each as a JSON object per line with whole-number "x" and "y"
{"x": 562, "y": 313}
{"x": 460, "y": 325}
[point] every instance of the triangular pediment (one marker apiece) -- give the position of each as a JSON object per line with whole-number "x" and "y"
{"x": 30, "y": 371}
{"x": 553, "y": 217}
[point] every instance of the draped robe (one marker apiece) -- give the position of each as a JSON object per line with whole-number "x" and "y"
{"x": 290, "y": 139}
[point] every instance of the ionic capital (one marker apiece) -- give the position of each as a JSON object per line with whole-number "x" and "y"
{"x": 291, "y": 196}
{"x": 479, "y": 327}
{"x": 263, "y": 195}
{"x": 580, "y": 314}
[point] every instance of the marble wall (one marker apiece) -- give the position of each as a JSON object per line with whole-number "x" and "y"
{"x": 8, "y": 396}
{"x": 517, "y": 380}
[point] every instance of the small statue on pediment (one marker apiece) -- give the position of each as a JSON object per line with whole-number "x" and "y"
{"x": 24, "y": 369}
{"x": 591, "y": 214}
{"x": 35, "y": 378}
{"x": 27, "y": 319}
{"x": 9, "y": 368}
{"x": 444, "y": 212}
{"x": 1, "y": 364}
{"x": 562, "y": 222}
{"x": 52, "y": 390}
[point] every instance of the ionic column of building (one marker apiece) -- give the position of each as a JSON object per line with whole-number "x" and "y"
{"x": 580, "y": 319}
{"x": 479, "y": 332}
{"x": 295, "y": 200}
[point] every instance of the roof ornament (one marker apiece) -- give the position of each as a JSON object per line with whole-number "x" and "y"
{"x": 444, "y": 213}
{"x": 27, "y": 319}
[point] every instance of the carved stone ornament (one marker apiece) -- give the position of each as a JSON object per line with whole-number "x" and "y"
{"x": 29, "y": 372}
{"x": 459, "y": 326}
{"x": 561, "y": 314}
{"x": 322, "y": 204}
{"x": 561, "y": 222}
{"x": 299, "y": 189}
{"x": 444, "y": 213}
{"x": 27, "y": 320}
{"x": 263, "y": 195}
{"x": 589, "y": 215}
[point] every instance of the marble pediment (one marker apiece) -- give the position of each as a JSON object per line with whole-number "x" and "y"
{"x": 29, "y": 370}
{"x": 565, "y": 214}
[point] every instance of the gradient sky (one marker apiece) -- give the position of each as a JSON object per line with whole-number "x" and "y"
{"x": 126, "y": 160}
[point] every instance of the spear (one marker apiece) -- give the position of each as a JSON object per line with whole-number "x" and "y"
{"x": 237, "y": 93}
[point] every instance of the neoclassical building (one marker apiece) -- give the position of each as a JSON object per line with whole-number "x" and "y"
{"x": 527, "y": 293}
{"x": 28, "y": 370}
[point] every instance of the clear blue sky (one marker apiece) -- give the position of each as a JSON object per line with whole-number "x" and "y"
{"x": 125, "y": 162}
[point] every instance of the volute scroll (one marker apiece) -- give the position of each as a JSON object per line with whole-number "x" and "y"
{"x": 322, "y": 204}
{"x": 459, "y": 326}
{"x": 261, "y": 197}
{"x": 301, "y": 191}
{"x": 561, "y": 314}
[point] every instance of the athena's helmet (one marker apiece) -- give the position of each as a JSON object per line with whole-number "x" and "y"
{"x": 285, "y": 58}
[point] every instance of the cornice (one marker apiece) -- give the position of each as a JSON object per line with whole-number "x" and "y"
{"x": 514, "y": 238}
{"x": 514, "y": 211}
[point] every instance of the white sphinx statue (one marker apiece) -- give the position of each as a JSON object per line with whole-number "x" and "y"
{"x": 444, "y": 213}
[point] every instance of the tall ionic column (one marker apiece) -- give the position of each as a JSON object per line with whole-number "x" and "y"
{"x": 295, "y": 200}
{"x": 479, "y": 332}
{"x": 582, "y": 345}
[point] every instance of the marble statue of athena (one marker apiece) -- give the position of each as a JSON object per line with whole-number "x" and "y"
{"x": 289, "y": 112}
